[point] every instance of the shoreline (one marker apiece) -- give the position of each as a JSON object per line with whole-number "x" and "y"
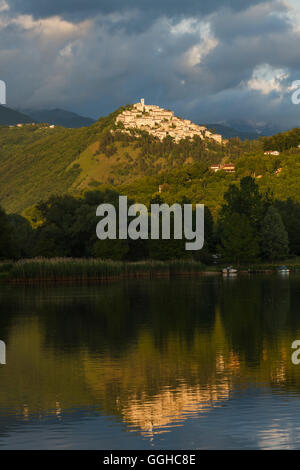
{"x": 136, "y": 276}
{"x": 68, "y": 270}
{"x": 148, "y": 276}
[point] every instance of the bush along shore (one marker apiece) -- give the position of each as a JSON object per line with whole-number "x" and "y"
{"x": 85, "y": 270}
{"x": 72, "y": 269}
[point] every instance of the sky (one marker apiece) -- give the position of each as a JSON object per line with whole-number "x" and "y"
{"x": 208, "y": 60}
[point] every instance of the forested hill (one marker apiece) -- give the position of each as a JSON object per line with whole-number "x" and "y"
{"x": 37, "y": 161}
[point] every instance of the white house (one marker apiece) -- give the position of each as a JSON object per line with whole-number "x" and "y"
{"x": 272, "y": 152}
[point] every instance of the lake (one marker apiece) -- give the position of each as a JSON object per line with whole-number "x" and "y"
{"x": 201, "y": 363}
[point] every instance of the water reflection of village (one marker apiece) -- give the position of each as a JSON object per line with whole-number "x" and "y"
{"x": 145, "y": 364}
{"x": 165, "y": 387}
{"x": 172, "y": 407}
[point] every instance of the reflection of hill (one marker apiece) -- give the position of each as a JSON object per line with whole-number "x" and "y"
{"x": 151, "y": 388}
{"x": 147, "y": 387}
{"x": 150, "y": 354}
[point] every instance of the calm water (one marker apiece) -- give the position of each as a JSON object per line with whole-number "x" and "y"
{"x": 203, "y": 363}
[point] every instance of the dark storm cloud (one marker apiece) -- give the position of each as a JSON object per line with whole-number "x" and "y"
{"x": 207, "y": 60}
{"x": 257, "y": 20}
{"x": 149, "y": 8}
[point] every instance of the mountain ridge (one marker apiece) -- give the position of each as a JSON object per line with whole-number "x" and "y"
{"x": 10, "y": 117}
{"x": 61, "y": 117}
{"x": 229, "y": 132}
{"x": 58, "y": 117}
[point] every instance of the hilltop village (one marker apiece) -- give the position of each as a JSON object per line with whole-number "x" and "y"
{"x": 161, "y": 123}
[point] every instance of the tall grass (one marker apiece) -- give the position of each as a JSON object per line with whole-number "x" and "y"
{"x": 68, "y": 269}
{"x": 78, "y": 269}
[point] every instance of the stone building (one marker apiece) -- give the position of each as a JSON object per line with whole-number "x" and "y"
{"x": 228, "y": 167}
{"x": 161, "y": 123}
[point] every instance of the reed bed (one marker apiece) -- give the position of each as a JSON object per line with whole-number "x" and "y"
{"x": 72, "y": 269}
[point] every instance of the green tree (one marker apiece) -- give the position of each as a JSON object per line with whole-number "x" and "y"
{"x": 205, "y": 255}
{"x": 238, "y": 241}
{"x": 69, "y": 227}
{"x": 290, "y": 214}
{"x": 246, "y": 200}
{"x": 22, "y": 236}
{"x": 6, "y": 241}
{"x": 274, "y": 237}
{"x": 110, "y": 249}
{"x": 240, "y": 220}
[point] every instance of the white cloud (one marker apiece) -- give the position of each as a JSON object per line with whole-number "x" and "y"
{"x": 185, "y": 26}
{"x": 294, "y": 12}
{"x": 198, "y": 52}
{"x": 53, "y": 27}
{"x": 266, "y": 79}
{"x": 3, "y": 6}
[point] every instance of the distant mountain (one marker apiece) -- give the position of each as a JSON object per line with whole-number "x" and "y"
{"x": 258, "y": 128}
{"x": 60, "y": 117}
{"x": 229, "y": 132}
{"x": 9, "y": 117}
{"x": 244, "y": 129}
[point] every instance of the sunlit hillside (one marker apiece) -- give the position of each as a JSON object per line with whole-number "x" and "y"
{"x": 37, "y": 161}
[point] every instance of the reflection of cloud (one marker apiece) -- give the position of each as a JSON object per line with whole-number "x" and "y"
{"x": 278, "y": 435}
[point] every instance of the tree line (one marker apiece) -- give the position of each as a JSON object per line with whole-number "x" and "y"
{"x": 250, "y": 226}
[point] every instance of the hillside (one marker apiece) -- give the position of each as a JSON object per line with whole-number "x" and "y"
{"x": 60, "y": 117}
{"x": 10, "y": 117}
{"x": 37, "y": 161}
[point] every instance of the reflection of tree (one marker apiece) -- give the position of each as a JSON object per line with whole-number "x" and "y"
{"x": 117, "y": 312}
{"x": 9, "y": 307}
{"x": 241, "y": 307}
{"x": 253, "y": 311}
